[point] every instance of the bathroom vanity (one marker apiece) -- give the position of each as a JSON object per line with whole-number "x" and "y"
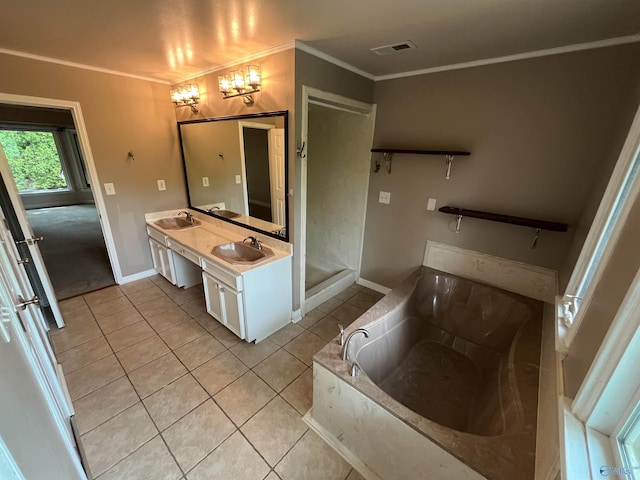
{"x": 252, "y": 298}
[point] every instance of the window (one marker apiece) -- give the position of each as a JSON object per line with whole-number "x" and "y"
{"x": 34, "y": 160}
{"x": 621, "y": 192}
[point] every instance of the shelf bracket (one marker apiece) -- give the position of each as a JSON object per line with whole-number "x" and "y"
{"x": 535, "y": 239}
{"x": 388, "y": 157}
{"x": 458, "y": 220}
{"x": 449, "y": 160}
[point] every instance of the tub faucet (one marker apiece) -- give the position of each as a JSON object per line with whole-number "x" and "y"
{"x": 345, "y": 349}
{"x": 189, "y": 216}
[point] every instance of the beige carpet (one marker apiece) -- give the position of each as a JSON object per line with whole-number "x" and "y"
{"x": 73, "y": 249}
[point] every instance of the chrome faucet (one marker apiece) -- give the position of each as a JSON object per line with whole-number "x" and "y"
{"x": 345, "y": 349}
{"x": 189, "y": 216}
{"x": 254, "y": 242}
{"x": 215, "y": 207}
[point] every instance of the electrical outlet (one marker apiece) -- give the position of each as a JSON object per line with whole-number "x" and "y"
{"x": 109, "y": 189}
{"x": 205, "y": 181}
{"x": 161, "y": 185}
{"x": 385, "y": 197}
{"x": 238, "y": 179}
{"x": 431, "y": 204}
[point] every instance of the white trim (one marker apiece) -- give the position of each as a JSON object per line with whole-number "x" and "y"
{"x": 296, "y": 316}
{"x": 610, "y": 42}
{"x": 137, "y": 276}
{"x": 83, "y": 139}
{"x": 517, "y": 277}
{"x": 82, "y": 66}
{"x": 574, "y": 453}
{"x": 606, "y": 389}
{"x": 335, "y": 61}
{"x": 611, "y": 197}
{"x": 373, "y": 286}
{"x": 247, "y": 59}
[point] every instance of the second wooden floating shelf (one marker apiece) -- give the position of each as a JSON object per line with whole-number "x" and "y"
{"x": 498, "y": 217}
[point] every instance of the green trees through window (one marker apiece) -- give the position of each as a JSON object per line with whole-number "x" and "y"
{"x": 34, "y": 160}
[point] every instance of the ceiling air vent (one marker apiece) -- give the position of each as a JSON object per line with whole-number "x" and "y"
{"x": 395, "y": 48}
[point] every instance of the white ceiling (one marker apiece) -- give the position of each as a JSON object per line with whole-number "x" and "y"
{"x": 173, "y": 39}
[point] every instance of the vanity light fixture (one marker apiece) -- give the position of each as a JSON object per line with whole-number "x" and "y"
{"x": 236, "y": 84}
{"x": 186, "y": 96}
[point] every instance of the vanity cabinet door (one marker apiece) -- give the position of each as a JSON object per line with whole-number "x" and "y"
{"x": 233, "y": 310}
{"x": 224, "y": 304}
{"x": 162, "y": 260}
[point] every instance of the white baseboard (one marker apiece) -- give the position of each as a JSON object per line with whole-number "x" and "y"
{"x": 137, "y": 276}
{"x": 517, "y": 277}
{"x": 296, "y": 316}
{"x": 373, "y": 286}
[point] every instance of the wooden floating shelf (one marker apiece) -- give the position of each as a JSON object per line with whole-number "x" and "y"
{"x": 497, "y": 217}
{"x": 420, "y": 152}
{"x": 389, "y": 152}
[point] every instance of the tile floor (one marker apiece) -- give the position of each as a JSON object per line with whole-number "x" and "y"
{"x": 162, "y": 391}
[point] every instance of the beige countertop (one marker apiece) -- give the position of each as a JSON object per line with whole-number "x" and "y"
{"x": 211, "y": 233}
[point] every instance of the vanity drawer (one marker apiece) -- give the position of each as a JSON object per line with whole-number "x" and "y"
{"x": 233, "y": 280}
{"x": 184, "y": 251}
{"x": 156, "y": 235}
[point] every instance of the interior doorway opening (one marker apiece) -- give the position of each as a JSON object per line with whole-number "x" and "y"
{"x": 337, "y": 133}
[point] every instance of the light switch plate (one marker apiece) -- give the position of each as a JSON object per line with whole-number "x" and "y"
{"x": 205, "y": 181}
{"x": 161, "y": 185}
{"x": 431, "y": 204}
{"x": 238, "y": 180}
{"x": 385, "y": 197}
{"x": 109, "y": 189}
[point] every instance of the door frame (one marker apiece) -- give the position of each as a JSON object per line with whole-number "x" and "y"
{"x": 311, "y": 95}
{"x": 241, "y": 125}
{"x": 87, "y": 156}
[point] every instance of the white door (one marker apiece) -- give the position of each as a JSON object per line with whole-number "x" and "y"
{"x": 276, "y": 174}
{"x": 35, "y": 424}
{"x": 30, "y": 239}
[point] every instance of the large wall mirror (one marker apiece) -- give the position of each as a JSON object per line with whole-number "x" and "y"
{"x": 236, "y": 169}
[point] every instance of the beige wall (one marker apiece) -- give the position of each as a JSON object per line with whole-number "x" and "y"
{"x": 538, "y": 131}
{"x": 120, "y": 114}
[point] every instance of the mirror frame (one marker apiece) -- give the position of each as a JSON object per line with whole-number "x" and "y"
{"x": 284, "y": 113}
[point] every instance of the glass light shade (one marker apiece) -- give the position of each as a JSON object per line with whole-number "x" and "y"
{"x": 224, "y": 84}
{"x": 253, "y": 76}
{"x": 237, "y": 80}
{"x": 192, "y": 93}
{"x": 176, "y": 96}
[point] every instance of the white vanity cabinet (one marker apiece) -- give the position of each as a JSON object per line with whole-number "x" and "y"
{"x": 173, "y": 261}
{"x": 252, "y": 304}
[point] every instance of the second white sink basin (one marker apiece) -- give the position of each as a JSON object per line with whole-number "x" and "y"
{"x": 241, "y": 253}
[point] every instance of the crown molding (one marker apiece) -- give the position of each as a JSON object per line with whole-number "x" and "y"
{"x": 610, "y": 42}
{"x": 328, "y": 58}
{"x": 247, "y": 59}
{"x": 65, "y": 63}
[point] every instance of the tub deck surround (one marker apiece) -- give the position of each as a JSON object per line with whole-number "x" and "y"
{"x": 347, "y": 409}
{"x": 213, "y": 232}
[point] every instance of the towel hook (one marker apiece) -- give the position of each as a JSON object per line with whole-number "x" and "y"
{"x": 458, "y": 220}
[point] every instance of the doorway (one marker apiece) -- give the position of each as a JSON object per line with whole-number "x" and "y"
{"x": 92, "y": 204}
{"x": 338, "y": 136}
{"x": 45, "y": 160}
